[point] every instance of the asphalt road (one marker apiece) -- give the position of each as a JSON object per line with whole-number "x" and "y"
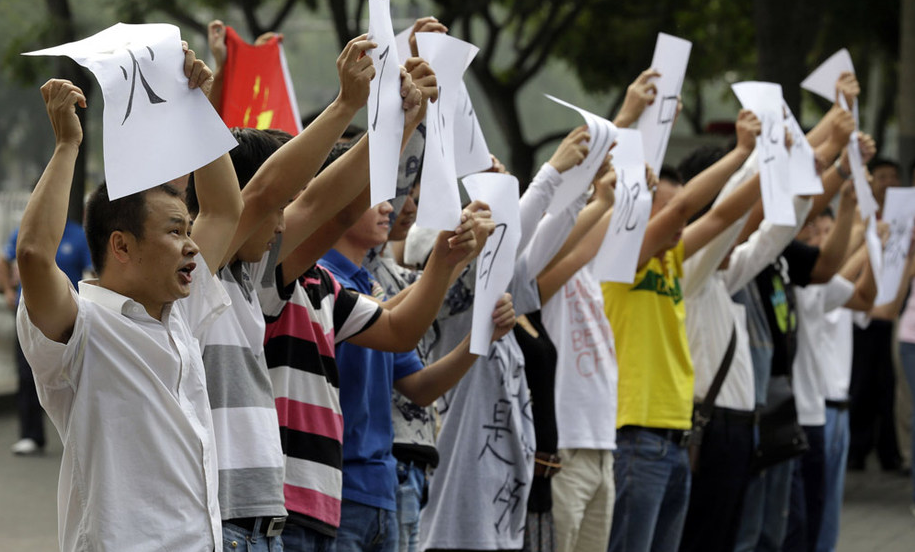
{"x": 876, "y": 515}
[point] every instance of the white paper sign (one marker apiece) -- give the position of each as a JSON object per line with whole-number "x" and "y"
{"x": 576, "y": 180}
{"x": 802, "y": 170}
{"x": 386, "y": 116}
{"x": 403, "y": 45}
{"x": 671, "y": 55}
{"x": 899, "y": 213}
{"x": 822, "y": 81}
{"x": 471, "y": 154}
{"x": 155, "y": 128}
{"x": 764, "y": 99}
{"x": 618, "y": 256}
{"x": 496, "y": 263}
{"x": 440, "y": 202}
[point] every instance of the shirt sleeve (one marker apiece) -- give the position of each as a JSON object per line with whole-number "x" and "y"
{"x": 54, "y": 364}
{"x": 536, "y": 199}
{"x": 837, "y": 292}
{"x": 801, "y": 259}
{"x": 207, "y": 299}
{"x": 353, "y": 313}
{"x": 762, "y": 248}
{"x": 549, "y": 236}
{"x": 406, "y": 364}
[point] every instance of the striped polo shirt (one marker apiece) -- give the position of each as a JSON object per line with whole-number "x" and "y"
{"x": 250, "y": 457}
{"x": 304, "y": 322}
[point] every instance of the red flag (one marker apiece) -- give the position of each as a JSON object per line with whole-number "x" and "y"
{"x": 257, "y": 90}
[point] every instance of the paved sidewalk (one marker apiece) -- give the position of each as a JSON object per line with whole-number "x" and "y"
{"x": 876, "y": 515}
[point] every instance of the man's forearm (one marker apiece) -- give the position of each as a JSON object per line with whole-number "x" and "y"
{"x": 45, "y": 216}
{"x": 418, "y": 309}
{"x": 430, "y": 383}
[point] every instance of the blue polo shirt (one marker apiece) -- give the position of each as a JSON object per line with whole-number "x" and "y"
{"x": 72, "y": 253}
{"x": 366, "y": 380}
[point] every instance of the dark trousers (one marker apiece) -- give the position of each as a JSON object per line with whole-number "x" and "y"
{"x": 717, "y": 494}
{"x": 873, "y": 393}
{"x": 808, "y": 494}
{"x": 31, "y": 415}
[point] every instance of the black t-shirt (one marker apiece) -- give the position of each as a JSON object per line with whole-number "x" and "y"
{"x": 540, "y": 369}
{"x": 776, "y": 288}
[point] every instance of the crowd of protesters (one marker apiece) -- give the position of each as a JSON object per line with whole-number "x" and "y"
{"x": 265, "y": 361}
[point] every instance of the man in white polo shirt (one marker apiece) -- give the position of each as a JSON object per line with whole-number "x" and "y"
{"x": 118, "y": 366}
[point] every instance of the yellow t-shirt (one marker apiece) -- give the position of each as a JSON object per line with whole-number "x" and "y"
{"x": 655, "y": 368}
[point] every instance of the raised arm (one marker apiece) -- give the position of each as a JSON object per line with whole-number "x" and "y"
{"x": 430, "y": 383}
{"x": 699, "y": 191}
{"x": 216, "y": 184}
{"x": 293, "y": 166}
{"x": 537, "y": 197}
{"x": 303, "y": 243}
{"x": 45, "y": 288}
{"x": 400, "y": 328}
{"x": 833, "y": 248}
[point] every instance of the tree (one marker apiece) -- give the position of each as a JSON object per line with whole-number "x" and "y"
{"x": 907, "y": 87}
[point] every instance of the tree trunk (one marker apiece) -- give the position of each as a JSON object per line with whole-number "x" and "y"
{"x": 504, "y": 103}
{"x": 785, "y": 33}
{"x": 907, "y": 88}
{"x": 64, "y": 28}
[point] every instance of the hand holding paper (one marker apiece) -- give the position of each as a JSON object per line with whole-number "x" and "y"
{"x": 148, "y": 82}
{"x": 355, "y": 71}
{"x": 576, "y": 179}
{"x": 572, "y": 150}
{"x": 639, "y": 95}
{"x": 618, "y": 256}
{"x": 503, "y": 317}
{"x": 61, "y": 98}
{"x": 671, "y": 55}
{"x": 495, "y": 265}
{"x": 764, "y": 99}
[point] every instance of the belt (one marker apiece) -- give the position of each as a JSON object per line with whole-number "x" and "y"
{"x": 268, "y": 526}
{"x": 838, "y": 405}
{"x": 546, "y": 465}
{"x": 747, "y": 417}
{"x": 679, "y": 437}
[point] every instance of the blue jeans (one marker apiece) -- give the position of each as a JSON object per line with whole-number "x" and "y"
{"x": 836, "y": 449}
{"x": 907, "y": 354}
{"x": 235, "y": 538}
{"x": 765, "y": 510}
{"x": 411, "y": 481}
{"x": 298, "y": 538}
{"x": 652, "y": 492}
{"x": 365, "y": 529}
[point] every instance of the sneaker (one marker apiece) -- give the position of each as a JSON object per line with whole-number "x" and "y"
{"x": 25, "y": 447}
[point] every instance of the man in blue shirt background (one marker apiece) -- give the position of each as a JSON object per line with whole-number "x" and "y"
{"x": 73, "y": 258}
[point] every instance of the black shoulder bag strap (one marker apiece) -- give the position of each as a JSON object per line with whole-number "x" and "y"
{"x": 704, "y": 415}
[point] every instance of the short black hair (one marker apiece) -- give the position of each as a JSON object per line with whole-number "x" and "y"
{"x": 671, "y": 174}
{"x": 281, "y": 135}
{"x": 878, "y": 162}
{"x": 335, "y": 153}
{"x": 827, "y": 212}
{"x": 254, "y": 147}
{"x": 126, "y": 214}
{"x": 698, "y": 160}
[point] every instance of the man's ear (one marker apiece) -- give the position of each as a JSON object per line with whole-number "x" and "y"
{"x": 121, "y": 245}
